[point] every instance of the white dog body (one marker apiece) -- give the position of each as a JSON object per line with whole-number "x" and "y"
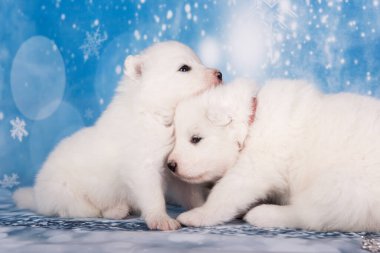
{"x": 317, "y": 157}
{"x": 116, "y": 166}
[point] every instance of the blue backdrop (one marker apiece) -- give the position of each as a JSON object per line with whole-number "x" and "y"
{"x": 61, "y": 60}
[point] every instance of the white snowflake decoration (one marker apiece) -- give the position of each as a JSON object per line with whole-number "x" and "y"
{"x": 274, "y": 13}
{"x": 18, "y": 129}
{"x": 92, "y": 44}
{"x": 9, "y": 181}
{"x": 89, "y": 114}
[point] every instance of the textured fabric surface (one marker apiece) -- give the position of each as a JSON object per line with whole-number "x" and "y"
{"x": 21, "y": 228}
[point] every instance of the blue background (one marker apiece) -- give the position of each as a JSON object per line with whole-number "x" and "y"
{"x": 61, "y": 60}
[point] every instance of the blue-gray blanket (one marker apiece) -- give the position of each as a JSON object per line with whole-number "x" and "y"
{"x": 24, "y": 231}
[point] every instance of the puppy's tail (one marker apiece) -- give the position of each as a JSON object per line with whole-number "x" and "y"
{"x": 24, "y": 198}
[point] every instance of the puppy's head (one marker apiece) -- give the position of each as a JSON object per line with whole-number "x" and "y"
{"x": 169, "y": 72}
{"x": 210, "y": 131}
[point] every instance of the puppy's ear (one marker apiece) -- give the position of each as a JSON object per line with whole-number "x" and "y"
{"x": 218, "y": 116}
{"x": 133, "y": 67}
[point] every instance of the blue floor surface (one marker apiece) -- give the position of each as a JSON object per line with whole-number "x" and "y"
{"x": 24, "y": 231}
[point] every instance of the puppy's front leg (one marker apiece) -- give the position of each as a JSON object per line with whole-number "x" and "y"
{"x": 150, "y": 199}
{"x": 235, "y": 192}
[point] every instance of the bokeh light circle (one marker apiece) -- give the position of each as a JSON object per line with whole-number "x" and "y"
{"x": 38, "y": 78}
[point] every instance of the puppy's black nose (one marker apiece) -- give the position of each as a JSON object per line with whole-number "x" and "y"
{"x": 172, "y": 165}
{"x": 219, "y": 75}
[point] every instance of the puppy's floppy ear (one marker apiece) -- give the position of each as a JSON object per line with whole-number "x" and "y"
{"x": 222, "y": 118}
{"x": 218, "y": 116}
{"x": 133, "y": 66}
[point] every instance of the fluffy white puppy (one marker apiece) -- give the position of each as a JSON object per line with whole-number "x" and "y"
{"x": 117, "y": 165}
{"x": 313, "y": 159}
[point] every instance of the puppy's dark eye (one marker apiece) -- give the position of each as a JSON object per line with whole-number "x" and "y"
{"x": 195, "y": 139}
{"x": 184, "y": 68}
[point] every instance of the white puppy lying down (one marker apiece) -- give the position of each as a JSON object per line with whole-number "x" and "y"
{"x": 117, "y": 166}
{"x": 317, "y": 157}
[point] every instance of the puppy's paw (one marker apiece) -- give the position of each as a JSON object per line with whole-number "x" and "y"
{"x": 162, "y": 222}
{"x": 196, "y": 217}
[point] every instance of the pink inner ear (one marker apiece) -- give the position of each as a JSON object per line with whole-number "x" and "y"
{"x": 133, "y": 67}
{"x": 138, "y": 69}
{"x": 253, "y": 110}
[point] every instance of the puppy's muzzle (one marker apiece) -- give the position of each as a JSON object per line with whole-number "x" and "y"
{"x": 215, "y": 77}
{"x": 219, "y": 75}
{"x": 172, "y": 166}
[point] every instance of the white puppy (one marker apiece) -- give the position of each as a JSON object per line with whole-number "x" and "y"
{"x": 313, "y": 159}
{"x": 117, "y": 165}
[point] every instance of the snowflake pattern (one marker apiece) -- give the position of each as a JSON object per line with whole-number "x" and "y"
{"x": 9, "y": 181}
{"x": 18, "y": 129}
{"x": 275, "y": 15}
{"x": 89, "y": 114}
{"x": 92, "y": 44}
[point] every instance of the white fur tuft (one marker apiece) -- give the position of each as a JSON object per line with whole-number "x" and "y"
{"x": 24, "y": 198}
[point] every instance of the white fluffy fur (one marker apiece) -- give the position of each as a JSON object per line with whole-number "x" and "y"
{"x": 313, "y": 159}
{"x": 117, "y": 166}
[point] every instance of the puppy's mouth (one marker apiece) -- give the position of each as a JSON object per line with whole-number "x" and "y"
{"x": 216, "y": 83}
{"x": 195, "y": 179}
